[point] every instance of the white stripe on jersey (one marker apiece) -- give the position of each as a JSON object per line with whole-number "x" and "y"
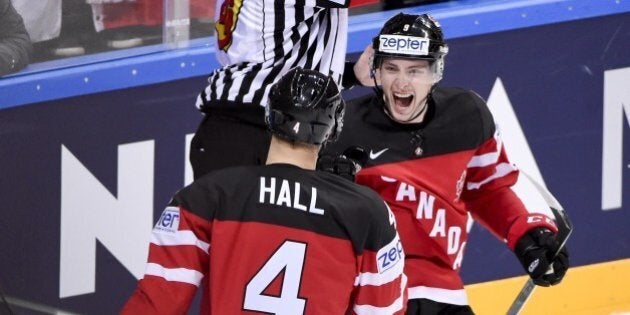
{"x": 184, "y": 237}
{"x": 484, "y": 159}
{"x": 270, "y": 38}
{"x": 175, "y": 274}
{"x": 390, "y": 309}
{"x": 375, "y": 278}
{"x": 457, "y": 297}
{"x": 488, "y": 158}
{"x": 502, "y": 169}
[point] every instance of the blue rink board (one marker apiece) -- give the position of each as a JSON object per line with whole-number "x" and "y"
{"x": 116, "y": 70}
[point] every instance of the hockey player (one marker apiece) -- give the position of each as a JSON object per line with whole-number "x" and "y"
{"x": 280, "y": 238}
{"x": 435, "y": 156}
{"x": 257, "y": 42}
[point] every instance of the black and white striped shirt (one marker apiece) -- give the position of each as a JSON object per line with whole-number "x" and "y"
{"x": 259, "y": 40}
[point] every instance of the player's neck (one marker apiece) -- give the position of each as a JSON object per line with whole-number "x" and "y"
{"x": 303, "y": 156}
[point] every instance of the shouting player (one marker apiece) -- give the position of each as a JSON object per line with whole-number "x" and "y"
{"x": 280, "y": 238}
{"x": 434, "y": 157}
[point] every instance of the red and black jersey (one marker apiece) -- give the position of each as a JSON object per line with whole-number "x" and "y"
{"x": 274, "y": 239}
{"x": 432, "y": 175}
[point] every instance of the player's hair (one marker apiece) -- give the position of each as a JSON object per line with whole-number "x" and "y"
{"x": 305, "y": 106}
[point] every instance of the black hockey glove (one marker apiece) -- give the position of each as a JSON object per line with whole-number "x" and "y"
{"x": 346, "y": 165}
{"x": 535, "y": 251}
{"x": 338, "y": 165}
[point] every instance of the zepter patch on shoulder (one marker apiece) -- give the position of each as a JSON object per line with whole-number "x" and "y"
{"x": 168, "y": 222}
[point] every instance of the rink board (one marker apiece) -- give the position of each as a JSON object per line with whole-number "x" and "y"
{"x": 594, "y": 289}
{"x": 88, "y": 165}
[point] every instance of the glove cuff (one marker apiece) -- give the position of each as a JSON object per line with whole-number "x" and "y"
{"x": 525, "y": 223}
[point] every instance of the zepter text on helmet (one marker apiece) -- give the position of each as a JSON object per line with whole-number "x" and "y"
{"x": 404, "y": 45}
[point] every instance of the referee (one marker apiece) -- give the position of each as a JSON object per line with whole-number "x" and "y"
{"x": 257, "y": 42}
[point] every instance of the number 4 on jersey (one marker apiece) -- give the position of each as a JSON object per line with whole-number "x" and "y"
{"x": 290, "y": 259}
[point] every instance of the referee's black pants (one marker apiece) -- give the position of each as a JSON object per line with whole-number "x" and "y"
{"x": 228, "y": 138}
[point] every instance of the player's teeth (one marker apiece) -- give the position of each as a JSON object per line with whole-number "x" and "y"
{"x": 402, "y": 95}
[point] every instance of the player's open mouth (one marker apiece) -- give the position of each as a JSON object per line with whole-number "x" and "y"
{"x": 403, "y": 99}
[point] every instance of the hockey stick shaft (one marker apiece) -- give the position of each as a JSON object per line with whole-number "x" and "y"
{"x": 565, "y": 227}
{"x": 522, "y": 297}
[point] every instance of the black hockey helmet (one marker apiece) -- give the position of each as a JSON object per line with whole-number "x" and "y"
{"x": 411, "y": 36}
{"x": 305, "y": 106}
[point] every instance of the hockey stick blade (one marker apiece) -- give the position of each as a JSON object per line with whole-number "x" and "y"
{"x": 565, "y": 228}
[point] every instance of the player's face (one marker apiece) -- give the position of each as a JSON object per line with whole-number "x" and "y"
{"x": 406, "y": 84}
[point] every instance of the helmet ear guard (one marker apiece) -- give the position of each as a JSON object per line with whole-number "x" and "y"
{"x": 305, "y": 106}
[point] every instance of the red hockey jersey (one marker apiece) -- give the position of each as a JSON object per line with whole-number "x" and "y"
{"x": 432, "y": 175}
{"x": 274, "y": 239}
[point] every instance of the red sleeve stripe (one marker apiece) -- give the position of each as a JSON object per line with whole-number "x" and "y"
{"x": 181, "y": 237}
{"x": 501, "y": 170}
{"x": 175, "y": 274}
{"x": 396, "y": 306}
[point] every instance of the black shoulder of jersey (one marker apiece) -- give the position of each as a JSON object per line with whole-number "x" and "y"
{"x": 350, "y": 211}
{"x": 451, "y": 102}
{"x": 362, "y": 212}
{"x": 365, "y": 196}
